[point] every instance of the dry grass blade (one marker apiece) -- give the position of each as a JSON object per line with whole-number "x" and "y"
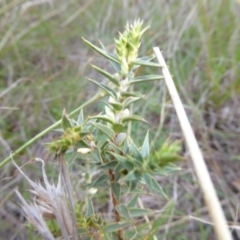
{"x": 214, "y": 207}
{"x": 51, "y": 203}
{"x": 35, "y": 217}
{"x": 68, "y": 188}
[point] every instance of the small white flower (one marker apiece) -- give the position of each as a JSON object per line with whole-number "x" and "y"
{"x": 125, "y": 112}
{"x": 92, "y": 191}
{"x": 84, "y": 150}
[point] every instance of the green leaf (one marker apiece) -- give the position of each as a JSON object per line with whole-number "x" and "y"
{"x": 100, "y": 181}
{"x": 117, "y": 106}
{"x": 97, "y": 155}
{"x": 131, "y": 94}
{"x": 132, "y": 176}
{"x": 115, "y": 226}
{"x": 106, "y": 130}
{"x": 66, "y": 123}
{"x": 116, "y": 189}
{"x": 107, "y": 75}
{"x": 123, "y": 211}
{"x": 103, "y": 117}
{"x": 108, "y": 165}
{"x": 113, "y": 148}
{"x": 146, "y": 59}
{"x": 145, "y": 149}
{"x": 80, "y": 117}
{"x": 146, "y": 63}
{"x": 132, "y": 118}
{"x": 119, "y": 169}
{"x": 133, "y": 201}
{"x": 125, "y": 162}
{"x": 116, "y": 66}
{"x": 126, "y": 146}
{"x": 139, "y": 212}
{"x": 146, "y": 78}
{"x": 132, "y": 185}
{"x": 102, "y": 52}
{"x": 90, "y": 209}
{"x": 130, "y": 100}
{"x": 153, "y": 185}
{"x": 148, "y": 180}
{"x": 135, "y": 153}
{"x": 111, "y": 92}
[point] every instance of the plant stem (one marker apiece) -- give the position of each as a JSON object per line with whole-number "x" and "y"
{"x": 115, "y": 204}
{"x": 44, "y": 132}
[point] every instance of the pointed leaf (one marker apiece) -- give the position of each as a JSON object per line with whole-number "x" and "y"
{"x": 108, "y": 165}
{"x": 97, "y": 155}
{"x": 107, "y": 75}
{"x": 116, "y": 66}
{"x": 113, "y": 148}
{"x": 146, "y": 63}
{"x": 139, "y": 212}
{"x": 107, "y": 89}
{"x": 106, "y": 130}
{"x": 113, "y": 227}
{"x": 80, "y": 117}
{"x": 125, "y": 162}
{"x": 132, "y": 94}
{"x": 100, "y": 181}
{"x": 90, "y": 209}
{"x": 116, "y": 189}
{"x": 153, "y": 185}
{"x": 103, "y": 117}
{"x": 119, "y": 170}
{"x": 157, "y": 188}
{"x": 145, "y": 58}
{"x": 132, "y": 118}
{"x": 123, "y": 211}
{"x": 146, "y": 78}
{"x": 133, "y": 201}
{"x": 132, "y": 185}
{"x": 132, "y": 176}
{"x": 148, "y": 180}
{"x": 117, "y": 106}
{"x": 136, "y": 153}
{"x": 145, "y": 149}
{"x": 126, "y": 146}
{"x": 130, "y": 100}
{"x": 66, "y": 123}
{"x": 102, "y": 52}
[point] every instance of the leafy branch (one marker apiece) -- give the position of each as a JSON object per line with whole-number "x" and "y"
{"x": 103, "y": 143}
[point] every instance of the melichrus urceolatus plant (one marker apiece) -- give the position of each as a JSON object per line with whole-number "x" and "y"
{"x": 109, "y": 158}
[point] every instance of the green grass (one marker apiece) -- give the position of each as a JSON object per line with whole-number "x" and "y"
{"x": 43, "y": 47}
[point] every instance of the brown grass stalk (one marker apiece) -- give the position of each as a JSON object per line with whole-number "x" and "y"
{"x": 115, "y": 204}
{"x": 211, "y": 199}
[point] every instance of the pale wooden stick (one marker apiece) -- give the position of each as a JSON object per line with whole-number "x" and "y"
{"x": 211, "y": 199}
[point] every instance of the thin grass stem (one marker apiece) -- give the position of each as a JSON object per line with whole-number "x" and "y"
{"x": 47, "y": 130}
